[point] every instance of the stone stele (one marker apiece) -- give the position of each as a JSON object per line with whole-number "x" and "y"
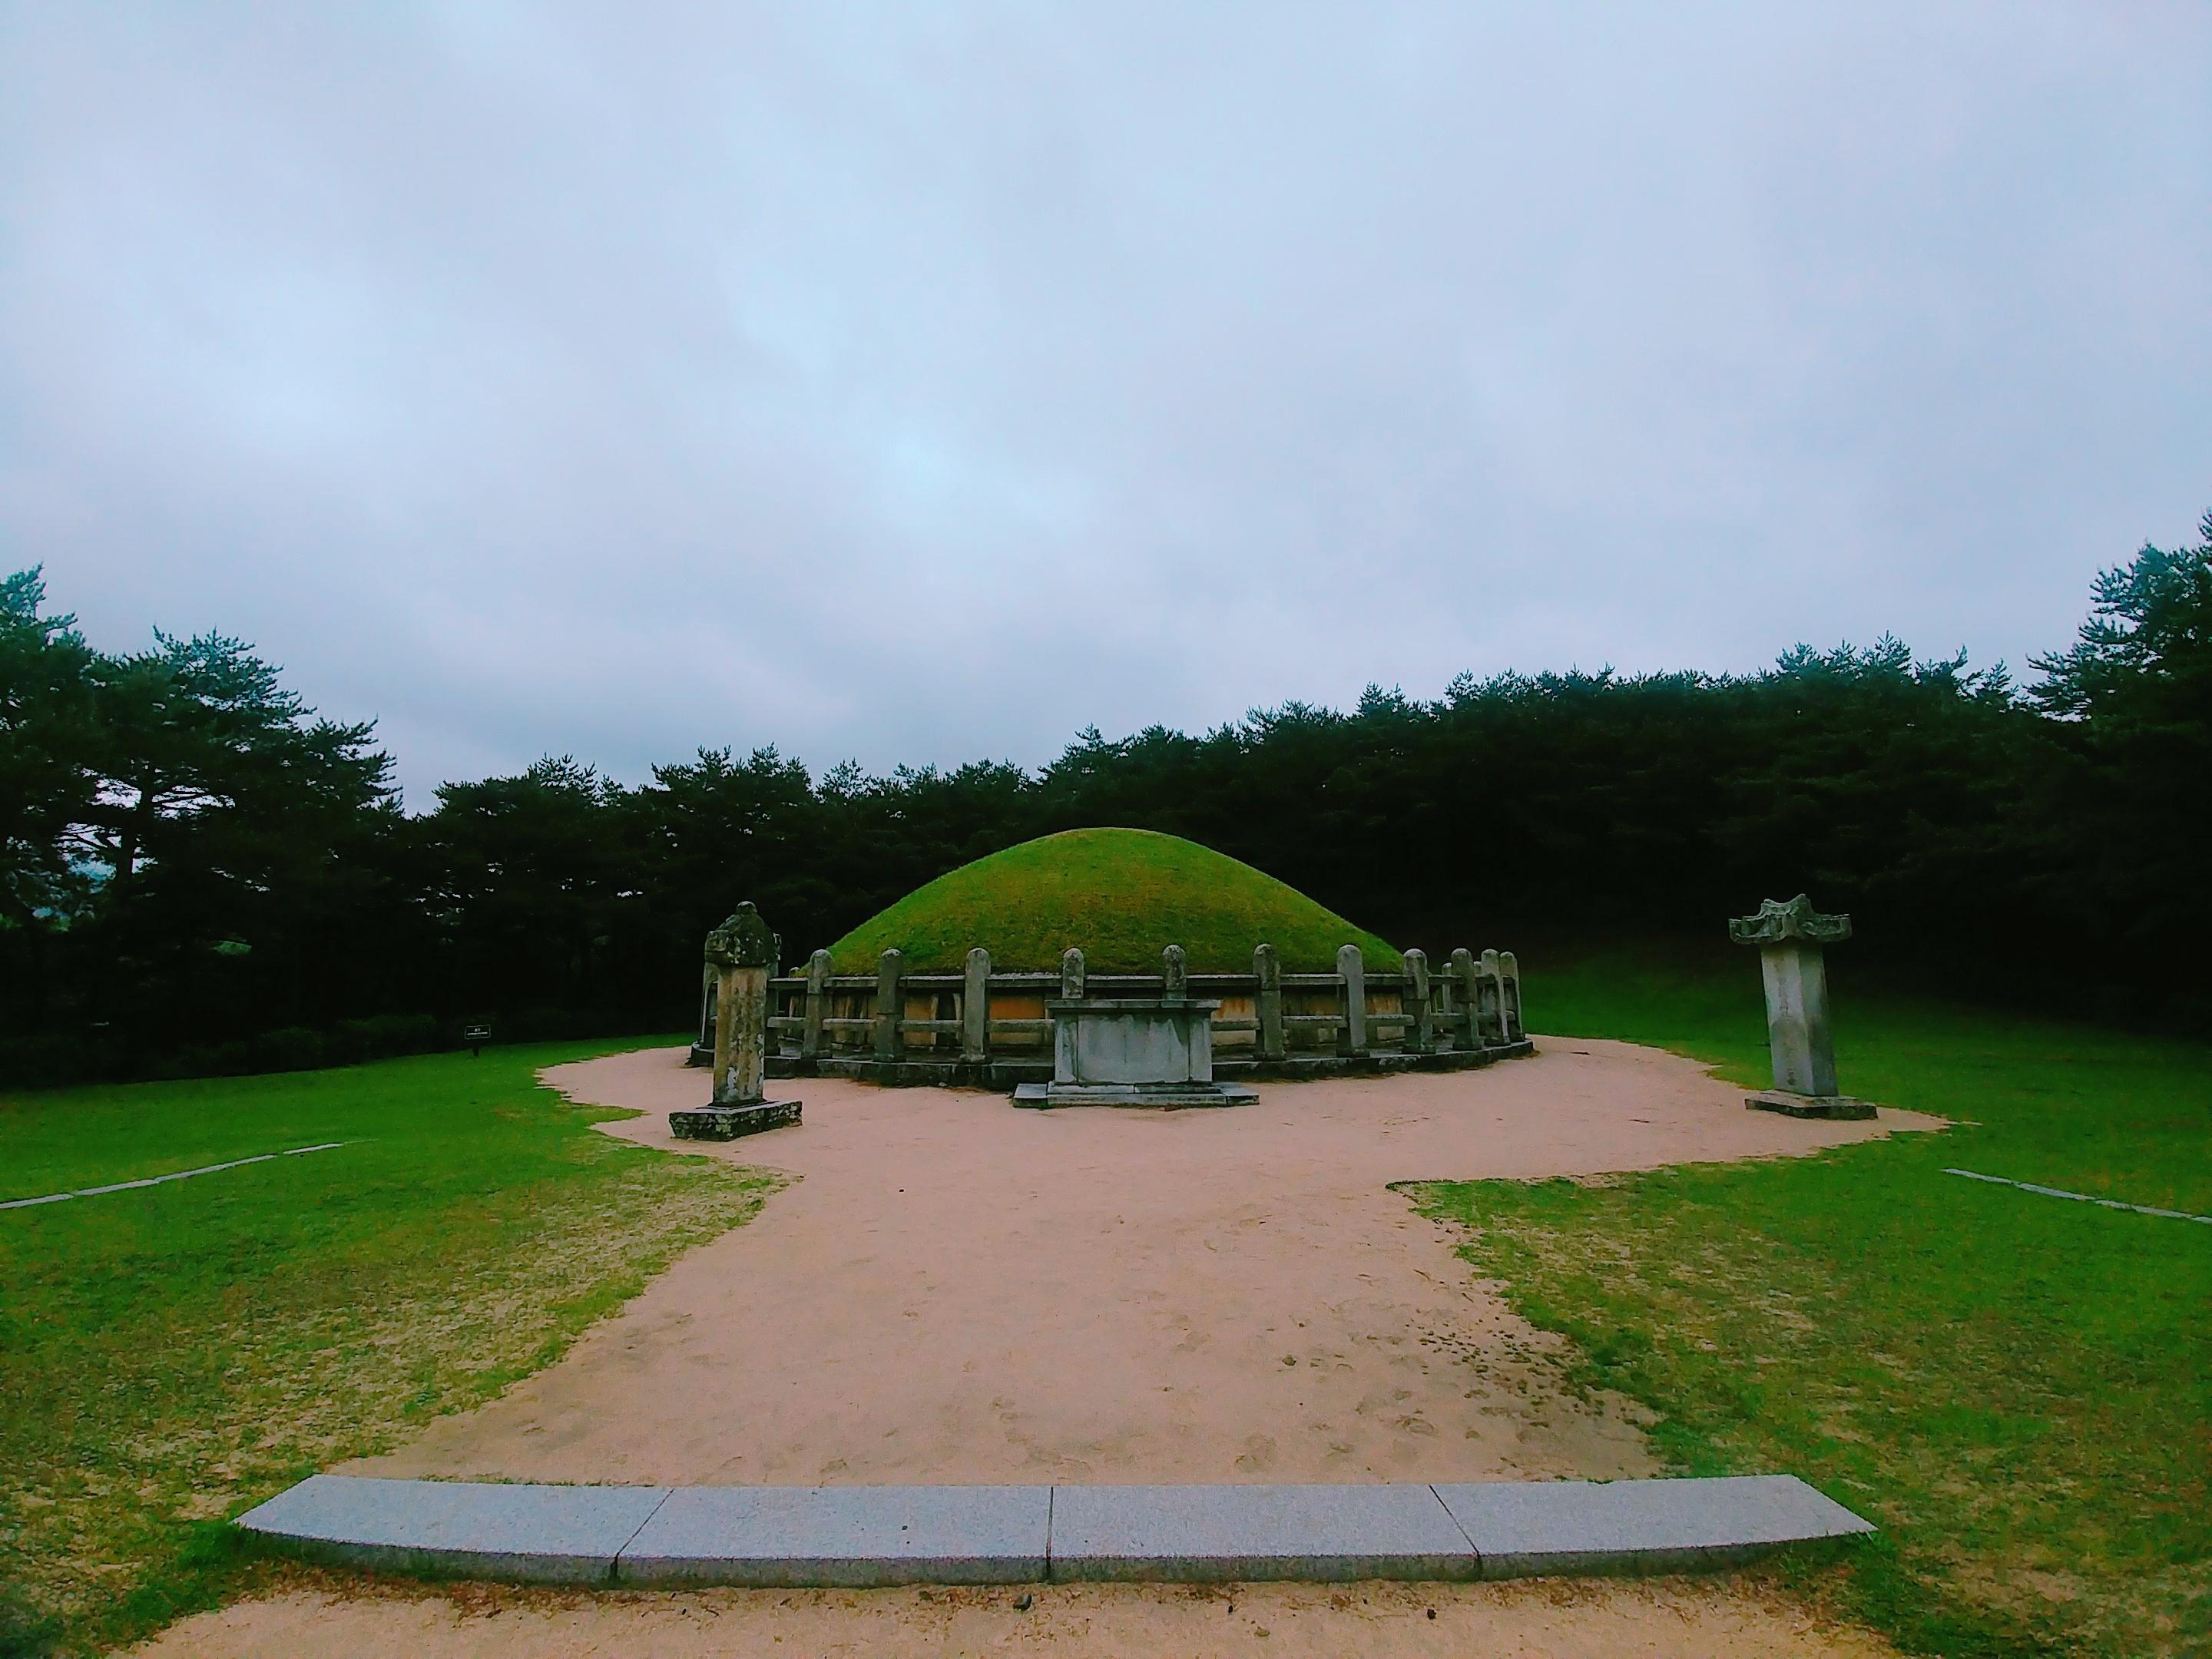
{"x": 1789, "y": 937}
{"x": 742, "y": 953}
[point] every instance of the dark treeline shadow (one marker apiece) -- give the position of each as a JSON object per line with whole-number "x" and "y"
{"x": 203, "y": 875}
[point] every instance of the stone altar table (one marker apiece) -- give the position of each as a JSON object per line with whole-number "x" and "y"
{"x": 1150, "y": 1051}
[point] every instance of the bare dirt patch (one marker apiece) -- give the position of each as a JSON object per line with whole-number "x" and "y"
{"x": 1552, "y": 1620}
{"x": 958, "y": 1290}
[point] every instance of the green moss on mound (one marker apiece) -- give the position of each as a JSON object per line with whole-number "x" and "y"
{"x": 1119, "y": 894}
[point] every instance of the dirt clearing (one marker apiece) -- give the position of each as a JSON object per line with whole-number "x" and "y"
{"x": 1714, "y": 1619}
{"x": 959, "y": 1289}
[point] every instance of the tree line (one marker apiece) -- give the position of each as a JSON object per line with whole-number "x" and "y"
{"x": 199, "y": 874}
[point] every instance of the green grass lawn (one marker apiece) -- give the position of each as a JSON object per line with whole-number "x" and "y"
{"x": 1121, "y": 896}
{"x": 169, "y": 1354}
{"x": 2017, "y": 1388}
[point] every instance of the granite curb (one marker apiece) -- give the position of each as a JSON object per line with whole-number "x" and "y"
{"x": 804, "y": 1537}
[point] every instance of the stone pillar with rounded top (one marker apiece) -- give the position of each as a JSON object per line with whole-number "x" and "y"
{"x": 1072, "y": 975}
{"x": 1175, "y": 973}
{"x": 742, "y": 951}
{"x": 1267, "y": 1001}
{"x": 1486, "y": 1004}
{"x": 1467, "y": 979}
{"x": 1790, "y": 938}
{"x": 1505, "y": 969}
{"x": 975, "y": 1009}
{"x": 810, "y": 1039}
{"x": 1352, "y": 968}
{"x": 890, "y": 1006}
{"x": 1417, "y": 1037}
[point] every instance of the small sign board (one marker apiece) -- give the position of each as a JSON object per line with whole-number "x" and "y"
{"x": 475, "y": 1036}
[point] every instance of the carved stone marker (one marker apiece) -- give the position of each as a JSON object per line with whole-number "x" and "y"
{"x": 1175, "y": 973}
{"x": 1789, "y": 937}
{"x": 742, "y": 951}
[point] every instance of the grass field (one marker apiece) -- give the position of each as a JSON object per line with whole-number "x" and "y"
{"x": 2018, "y": 1389}
{"x": 1121, "y": 894}
{"x": 168, "y": 1353}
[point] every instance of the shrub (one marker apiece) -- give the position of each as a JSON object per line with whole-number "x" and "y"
{"x": 289, "y": 1049}
{"x": 49, "y": 1060}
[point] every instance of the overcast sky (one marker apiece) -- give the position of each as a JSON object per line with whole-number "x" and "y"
{"x": 924, "y": 382}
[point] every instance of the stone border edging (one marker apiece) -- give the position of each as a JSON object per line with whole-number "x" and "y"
{"x": 2081, "y": 1198}
{"x": 174, "y": 1175}
{"x": 858, "y": 1537}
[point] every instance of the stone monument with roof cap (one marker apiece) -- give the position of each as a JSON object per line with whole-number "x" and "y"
{"x": 1790, "y": 938}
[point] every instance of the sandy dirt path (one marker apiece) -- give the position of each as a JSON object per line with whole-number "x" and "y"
{"x": 1559, "y": 1618}
{"x": 959, "y": 1289}
{"x": 952, "y": 1289}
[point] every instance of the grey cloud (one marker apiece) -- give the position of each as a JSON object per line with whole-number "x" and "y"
{"x": 922, "y": 383}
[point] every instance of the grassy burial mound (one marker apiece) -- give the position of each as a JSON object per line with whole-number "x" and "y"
{"x": 1120, "y": 895}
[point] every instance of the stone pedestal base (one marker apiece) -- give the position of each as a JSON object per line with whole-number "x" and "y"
{"x": 1775, "y": 1100}
{"x": 1135, "y": 1094}
{"x": 728, "y": 1122}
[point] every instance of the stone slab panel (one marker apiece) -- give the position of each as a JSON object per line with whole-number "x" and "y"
{"x": 1789, "y": 1105}
{"x": 1186, "y": 1534}
{"x": 550, "y": 1534}
{"x": 850, "y": 1537}
{"x": 1522, "y": 1528}
{"x": 728, "y": 1122}
{"x": 1172, "y": 1097}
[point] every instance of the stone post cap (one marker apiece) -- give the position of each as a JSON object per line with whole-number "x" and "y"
{"x": 742, "y": 941}
{"x": 1775, "y": 923}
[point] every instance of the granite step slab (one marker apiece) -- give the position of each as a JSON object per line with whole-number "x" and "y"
{"x": 541, "y": 1534}
{"x": 1527, "y": 1527}
{"x": 1314, "y": 1534}
{"x": 1167, "y": 1097}
{"x": 859, "y": 1536}
{"x": 846, "y": 1537}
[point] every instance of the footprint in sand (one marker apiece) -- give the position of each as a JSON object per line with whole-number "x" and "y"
{"x": 1259, "y": 1454}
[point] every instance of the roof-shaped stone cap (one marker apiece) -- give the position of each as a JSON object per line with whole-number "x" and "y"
{"x": 742, "y": 941}
{"x": 1776, "y": 922}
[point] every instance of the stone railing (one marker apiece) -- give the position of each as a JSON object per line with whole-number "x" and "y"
{"x": 984, "y": 1028}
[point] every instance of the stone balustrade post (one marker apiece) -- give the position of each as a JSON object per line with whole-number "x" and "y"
{"x": 1352, "y": 970}
{"x": 1790, "y": 937}
{"x": 1509, "y": 996}
{"x": 1072, "y": 975}
{"x": 890, "y": 1004}
{"x": 1419, "y": 1031}
{"x": 975, "y": 1009}
{"x": 1489, "y": 1005}
{"x": 1468, "y": 976}
{"x": 817, "y": 1005}
{"x": 1267, "y": 1005}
